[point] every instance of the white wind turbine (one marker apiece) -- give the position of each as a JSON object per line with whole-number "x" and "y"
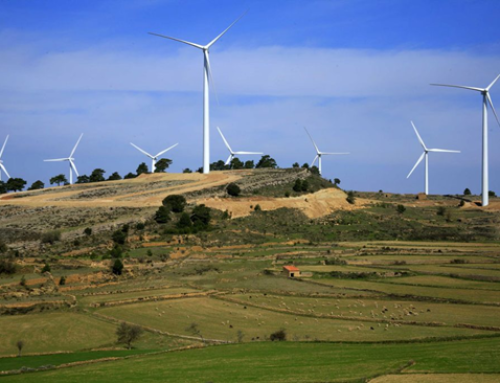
{"x": 71, "y": 160}
{"x": 231, "y": 153}
{"x": 486, "y": 99}
{"x": 426, "y": 155}
{"x": 207, "y": 74}
{"x": 319, "y": 153}
{"x": 2, "y": 166}
{"x": 153, "y": 158}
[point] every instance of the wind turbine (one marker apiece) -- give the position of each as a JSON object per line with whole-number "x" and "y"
{"x": 71, "y": 160}
{"x": 207, "y": 74}
{"x": 2, "y": 167}
{"x": 486, "y": 98}
{"x": 231, "y": 153}
{"x": 153, "y": 158}
{"x": 319, "y": 153}
{"x": 426, "y": 155}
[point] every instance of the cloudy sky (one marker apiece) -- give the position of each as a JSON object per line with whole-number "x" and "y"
{"x": 354, "y": 72}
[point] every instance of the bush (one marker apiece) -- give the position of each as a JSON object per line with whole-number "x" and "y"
{"x": 117, "y": 267}
{"x": 177, "y": 203}
{"x": 51, "y": 237}
{"x": 46, "y": 268}
{"x": 62, "y": 281}
{"x": 401, "y": 209}
{"x": 297, "y": 186}
{"x": 162, "y": 215}
{"x": 279, "y": 335}
{"x": 88, "y": 231}
{"x": 351, "y": 198}
{"x": 233, "y": 190}
{"x": 7, "y": 266}
{"x": 184, "y": 221}
{"x": 119, "y": 237}
{"x": 140, "y": 226}
{"x": 441, "y": 211}
{"x": 257, "y": 208}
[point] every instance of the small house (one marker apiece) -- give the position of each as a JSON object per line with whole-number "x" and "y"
{"x": 291, "y": 271}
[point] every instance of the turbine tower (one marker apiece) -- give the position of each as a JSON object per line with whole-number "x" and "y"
{"x": 2, "y": 167}
{"x": 153, "y": 158}
{"x": 319, "y": 153}
{"x": 426, "y": 155}
{"x": 71, "y": 160}
{"x": 207, "y": 75}
{"x": 486, "y": 98}
{"x": 231, "y": 153}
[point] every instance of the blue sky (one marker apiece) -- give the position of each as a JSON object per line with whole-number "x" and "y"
{"x": 353, "y": 72}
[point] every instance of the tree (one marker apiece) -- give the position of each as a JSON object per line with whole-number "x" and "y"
{"x": 184, "y": 221}
{"x": 267, "y": 161}
{"x": 297, "y": 186}
{"x": 306, "y": 165}
{"x": 59, "y": 179}
{"x": 142, "y": 169}
{"x": 194, "y": 330}
{"x": 97, "y": 175}
{"x": 162, "y": 215}
{"x": 20, "y": 345}
{"x": 128, "y": 333}
{"x": 87, "y": 231}
{"x": 187, "y": 170}
{"x": 279, "y": 335}
{"x": 491, "y": 193}
{"x": 62, "y": 281}
{"x": 401, "y": 209}
{"x": 336, "y": 181}
{"x": 37, "y": 185}
{"x": 3, "y": 187}
{"x": 83, "y": 179}
{"x": 129, "y": 176}
{"x": 236, "y": 164}
{"x": 218, "y": 165}
{"x": 46, "y": 268}
{"x": 162, "y": 165}
{"x": 114, "y": 177}
{"x": 467, "y": 191}
{"x": 119, "y": 237}
{"x": 175, "y": 202}
{"x": 201, "y": 216}
{"x": 314, "y": 170}
{"x": 295, "y": 165}
{"x": 305, "y": 186}
{"x": 249, "y": 164}
{"x": 117, "y": 268}
{"x": 233, "y": 190}
{"x": 351, "y": 198}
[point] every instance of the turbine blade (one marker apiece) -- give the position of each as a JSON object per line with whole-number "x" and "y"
{"x": 332, "y": 154}
{"x": 142, "y": 151}
{"x": 179, "y": 40}
{"x": 57, "y": 159}
{"x": 418, "y": 135}
{"x": 492, "y": 107}
{"x": 3, "y": 147}
{"x": 5, "y": 170}
{"x": 460, "y": 86}
{"x": 225, "y": 141}
{"x": 492, "y": 83}
{"x": 210, "y": 77}
{"x": 224, "y": 31}
{"x": 443, "y": 151}
{"x": 242, "y": 153}
{"x": 229, "y": 159}
{"x": 77, "y": 142}
{"x": 72, "y": 164}
{"x": 166, "y": 150}
{"x": 416, "y": 164}
{"x": 315, "y": 158}
{"x": 314, "y": 143}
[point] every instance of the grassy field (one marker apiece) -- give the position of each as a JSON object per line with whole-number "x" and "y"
{"x": 287, "y": 362}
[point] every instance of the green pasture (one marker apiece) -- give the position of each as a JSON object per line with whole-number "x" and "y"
{"x": 286, "y": 362}
{"x": 444, "y": 282}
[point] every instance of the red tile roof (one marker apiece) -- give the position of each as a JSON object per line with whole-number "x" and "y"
{"x": 290, "y": 268}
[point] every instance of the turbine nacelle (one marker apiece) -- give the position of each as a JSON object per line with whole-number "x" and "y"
{"x": 232, "y": 153}
{"x": 70, "y": 159}
{"x": 319, "y": 153}
{"x": 154, "y": 158}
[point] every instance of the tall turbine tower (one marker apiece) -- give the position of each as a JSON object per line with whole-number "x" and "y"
{"x": 426, "y": 155}
{"x": 207, "y": 74}
{"x": 71, "y": 160}
{"x": 231, "y": 153}
{"x": 153, "y": 158}
{"x": 2, "y": 167}
{"x": 319, "y": 153}
{"x": 486, "y": 98}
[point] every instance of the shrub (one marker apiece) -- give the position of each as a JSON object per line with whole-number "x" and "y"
{"x": 351, "y": 198}
{"x": 297, "y": 186}
{"x": 305, "y": 186}
{"x": 184, "y": 221}
{"x": 7, "y": 266}
{"x": 401, "y": 209}
{"x": 117, "y": 267}
{"x": 287, "y": 194}
{"x": 162, "y": 215}
{"x": 201, "y": 216}
{"x": 441, "y": 211}
{"x": 22, "y": 282}
{"x": 462, "y": 203}
{"x": 257, "y": 208}
{"x": 3, "y": 247}
{"x": 51, "y": 237}
{"x": 140, "y": 226}
{"x": 46, "y": 268}
{"x": 119, "y": 237}
{"x": 233, "y": 190}
{"x": 88, "y": 231}
{"x": 177, "y": 203}
{"x": 279, "y": 335}
{"x": 62, "y": 281}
